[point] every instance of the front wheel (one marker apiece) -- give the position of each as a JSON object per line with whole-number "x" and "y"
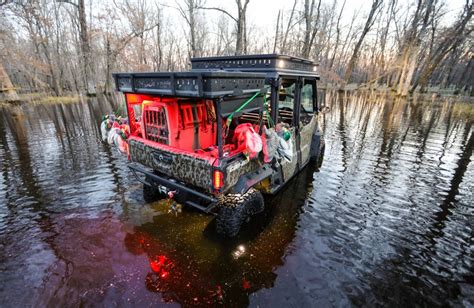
{"x": 235, "y": 209}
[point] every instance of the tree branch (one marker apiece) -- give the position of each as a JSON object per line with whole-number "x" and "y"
{"x": 68, "y": 2}
{"x": 218, "y": 9}
{"x": 4, "y": 2}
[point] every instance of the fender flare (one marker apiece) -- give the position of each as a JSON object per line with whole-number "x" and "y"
{"x": 251, "y": 179}
{"x": 316, "y": 143}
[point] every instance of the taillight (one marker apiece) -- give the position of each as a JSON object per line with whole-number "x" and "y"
{"x": 218, "y": 179}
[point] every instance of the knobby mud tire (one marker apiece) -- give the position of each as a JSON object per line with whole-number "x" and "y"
{"x": 235, "y": 209}
{"x": 317, "y": 160}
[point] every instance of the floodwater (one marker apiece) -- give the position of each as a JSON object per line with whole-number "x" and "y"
{"x": 387, "y": 220}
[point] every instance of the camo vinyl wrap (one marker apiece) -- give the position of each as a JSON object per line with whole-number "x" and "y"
{"x": 236, "y": 169}
{"x": 289, "y": 168}
{"x": 189, "y": 169}
{"x": 306, "y": 135}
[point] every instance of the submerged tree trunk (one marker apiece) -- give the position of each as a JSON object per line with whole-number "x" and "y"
{"x": 412, "y": 45}
{"x": 89, "y": 75}
{"x": 454, "y": 38}
{"x": 7, "y": 91}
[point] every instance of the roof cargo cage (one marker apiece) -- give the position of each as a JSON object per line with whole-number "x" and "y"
{"x": 266, "y": 63}
{"x": 205, "y": 84}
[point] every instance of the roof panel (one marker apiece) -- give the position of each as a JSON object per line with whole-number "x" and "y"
{"x": 282, "y": 64}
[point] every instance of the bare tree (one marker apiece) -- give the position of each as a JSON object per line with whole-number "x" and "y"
{"x": 289, "y": 26}
{"x": 6, "y": 87}
{"x": 37, "y": 21}
{"x": 241, "y": 24}
{"x": 311, "y": 19}
{"x": 338, "y": 33}
{"x": 376, "y": 4}
{"x": 277, "y": 32}
{"x": 73, "y": 46}
{"x": 88, "y": 69}
{"x": 453, "y": 37}
{"x": 190, "y": 12}
{"x": 411, "y": 45}
{"x": 241, "y": 44}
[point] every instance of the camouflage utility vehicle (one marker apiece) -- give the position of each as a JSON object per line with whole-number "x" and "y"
{"x": 219, "y": 136}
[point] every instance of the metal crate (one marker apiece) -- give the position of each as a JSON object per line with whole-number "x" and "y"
{"x": 155, "y": 124}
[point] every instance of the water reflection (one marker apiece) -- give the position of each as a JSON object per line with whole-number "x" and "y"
{"x": 192, "y": 267}
{"x": 387, "y": 219}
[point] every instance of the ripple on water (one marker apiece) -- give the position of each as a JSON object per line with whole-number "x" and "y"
{"x": 388, "y": 220}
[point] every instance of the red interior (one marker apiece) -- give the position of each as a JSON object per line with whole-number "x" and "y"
{"x": 177, "y": 125}
{"x": 183, "y": 124}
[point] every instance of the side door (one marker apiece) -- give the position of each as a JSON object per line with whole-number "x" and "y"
{"x": 287, "y": 104}
{"x": 307, "y": 118}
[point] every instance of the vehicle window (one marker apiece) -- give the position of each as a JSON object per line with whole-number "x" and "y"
{"x": 286, "y": 99}
{"x": 307, "y": 102}
{"x": 307, "y": 97}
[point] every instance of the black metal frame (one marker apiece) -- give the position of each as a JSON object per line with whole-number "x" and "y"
{"x": 181, "y": 192}
{"x": 217, "y": 106}
{"x": 282, "y": 64}
{"x": 204, "y": 84}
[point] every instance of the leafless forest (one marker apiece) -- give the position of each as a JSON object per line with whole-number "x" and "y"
{"x": 73, "y": 46}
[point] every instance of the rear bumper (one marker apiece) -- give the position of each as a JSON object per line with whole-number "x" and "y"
{"x": 182, "y": 193}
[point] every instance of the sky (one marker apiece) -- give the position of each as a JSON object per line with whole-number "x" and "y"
{"x": 263, "y": 13}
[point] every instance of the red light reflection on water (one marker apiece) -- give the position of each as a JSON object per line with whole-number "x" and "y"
{"x": 170, "y": 277}
{"x": 245, "y": 284}
{"x": 161, "y": 266}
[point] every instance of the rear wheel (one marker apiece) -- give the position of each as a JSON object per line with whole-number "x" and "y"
{"x": 235, "y": 209}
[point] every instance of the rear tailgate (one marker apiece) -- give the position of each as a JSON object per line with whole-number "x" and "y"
{"x": 188, "y": 167}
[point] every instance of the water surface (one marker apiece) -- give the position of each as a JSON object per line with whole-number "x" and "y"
{"x": 388, "y": 219}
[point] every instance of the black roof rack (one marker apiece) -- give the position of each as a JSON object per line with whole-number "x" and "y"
{"x": 265, "y": 63}
{"x": 206, "y": 84}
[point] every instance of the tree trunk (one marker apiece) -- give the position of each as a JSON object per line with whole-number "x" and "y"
{"x": 7, "y": 91}
{"x": 311, "y": 26}
{"x": 368, "y": 24}
{"x": 89, "y": 77}
{"x": 453, "y": 39}
{"x": 412, "y": 45}
{"x": 288, "y": 27}
{"x": 276, "y": 32}
{"x": 241, "y": 33}
{"x": 466, "y": 76}
{"x": 338, "y": 33}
